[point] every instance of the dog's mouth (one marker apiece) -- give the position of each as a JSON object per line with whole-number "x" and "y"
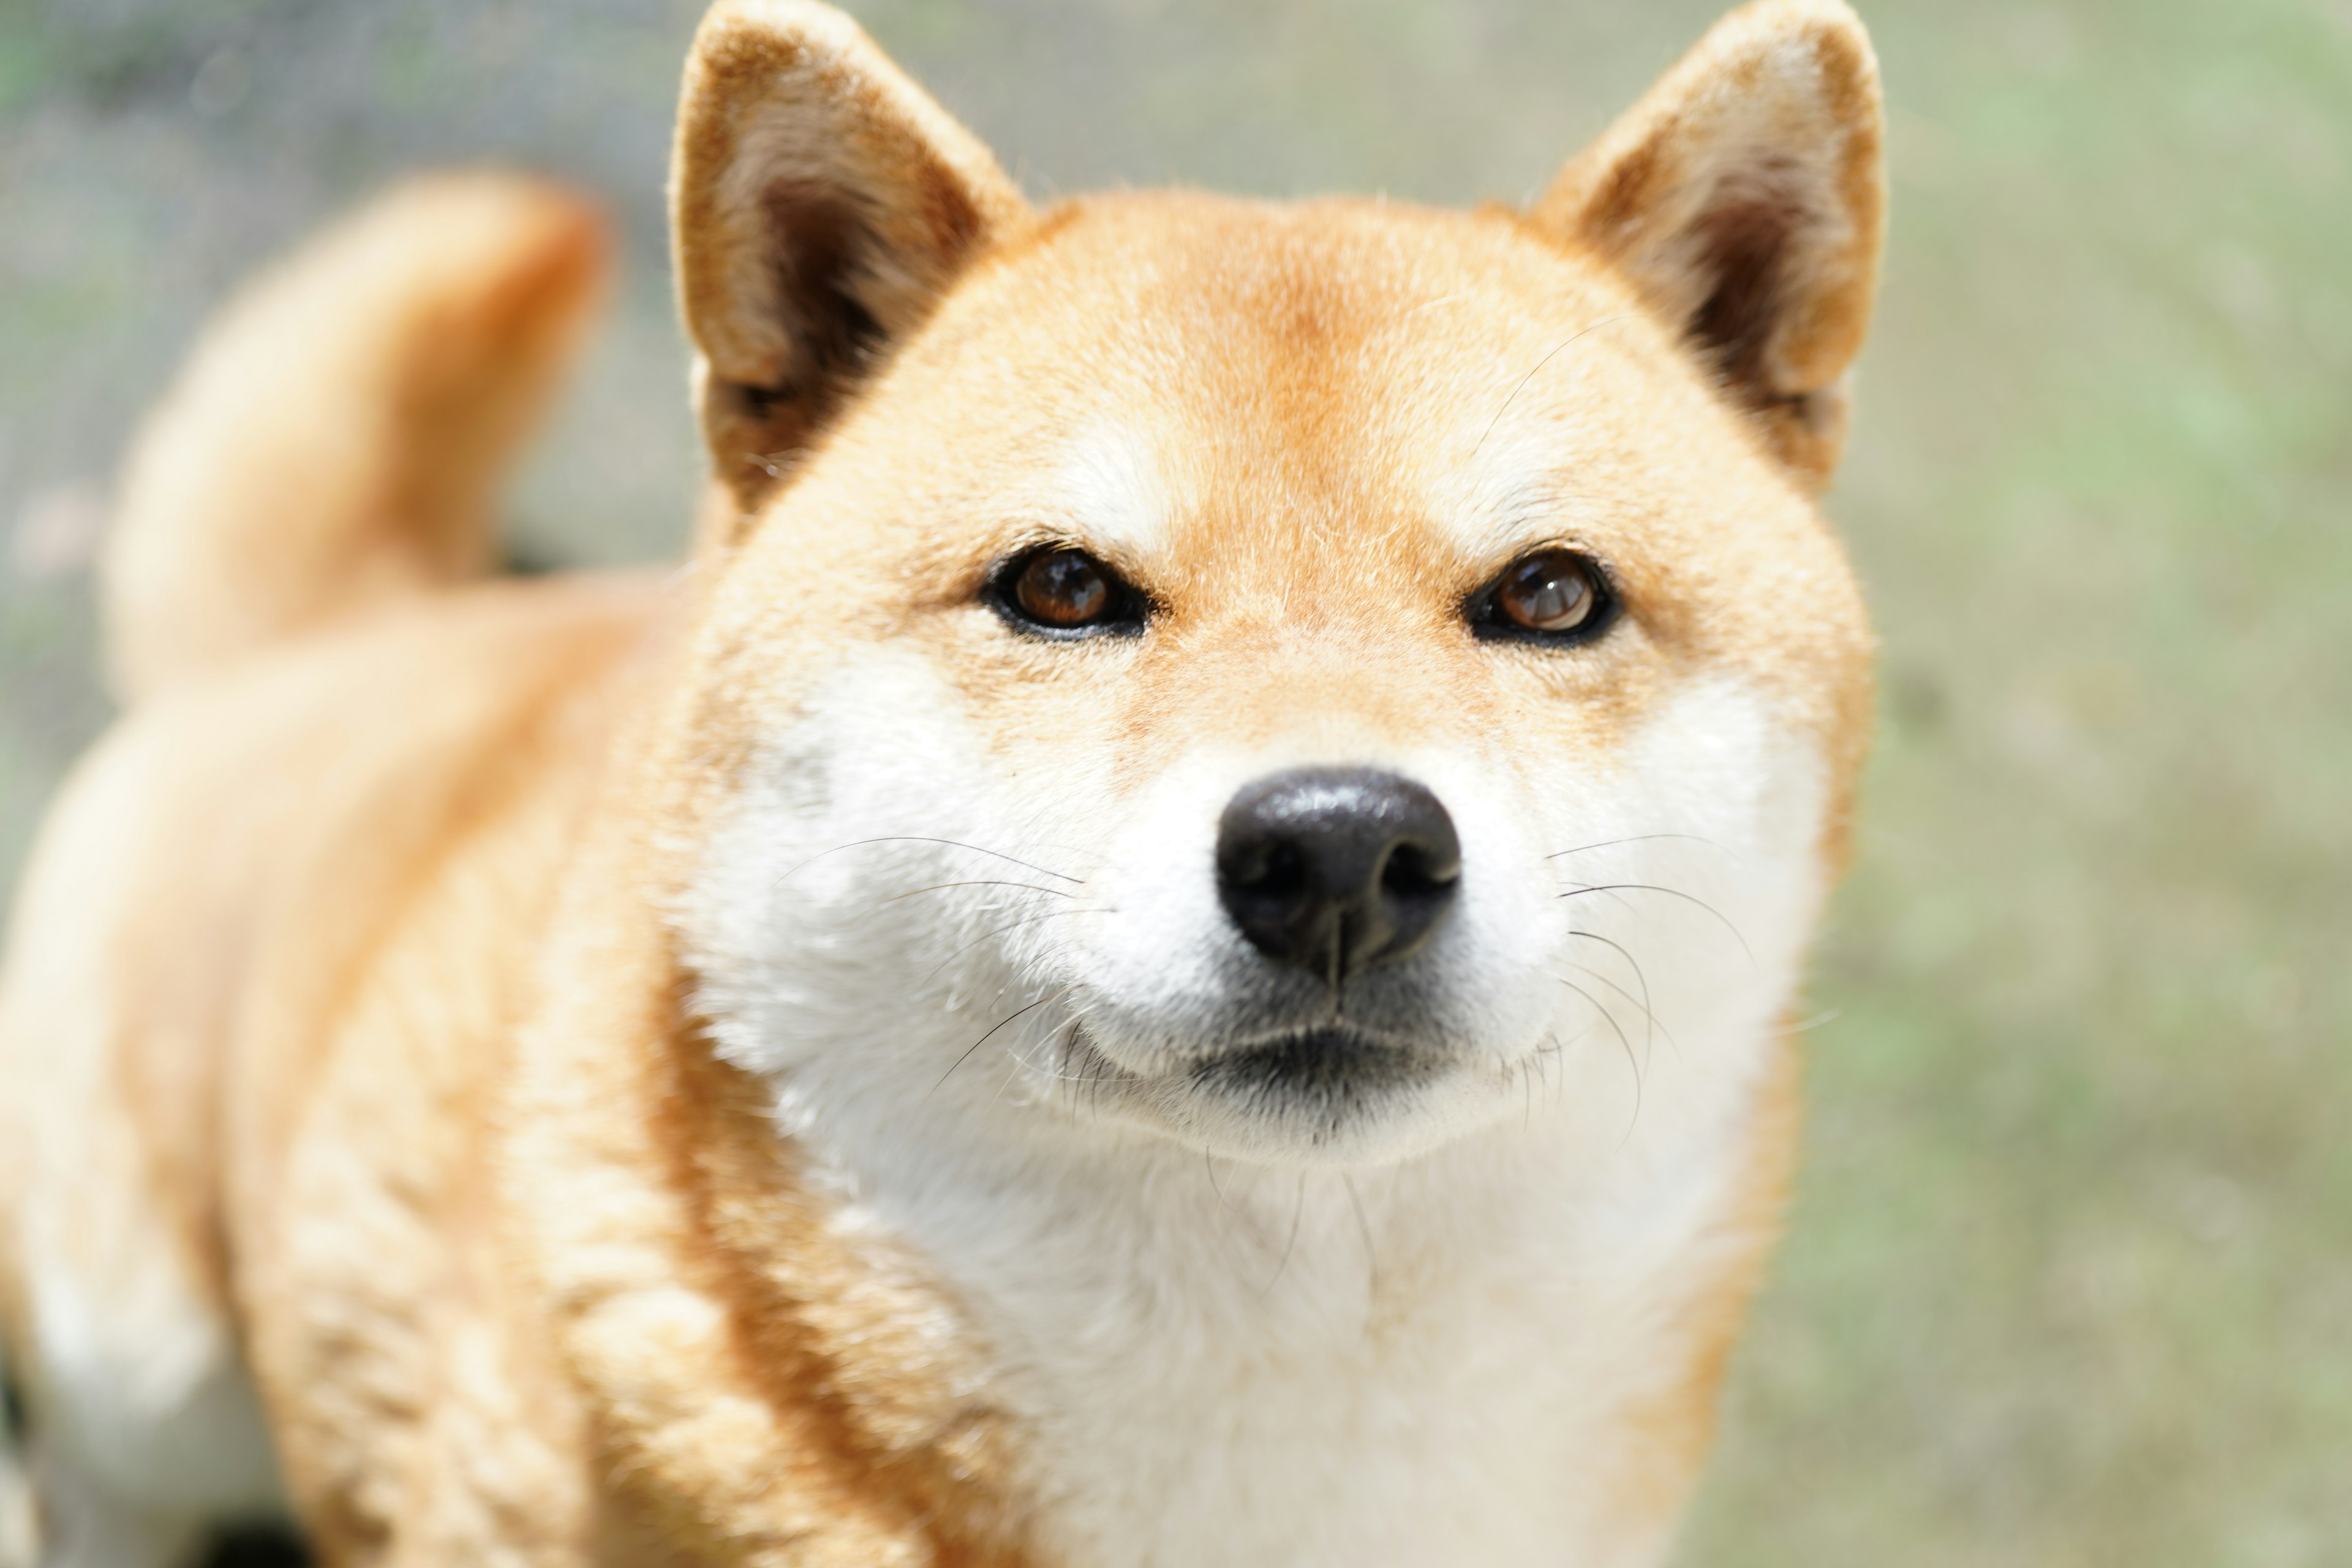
{"x": 1328, "y": 1067}
{"x": 1335, "y": 1091}
{"x": 1320, "y": 1063}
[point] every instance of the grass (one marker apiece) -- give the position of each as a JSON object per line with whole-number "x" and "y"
{"x": 2070, "y": 1281}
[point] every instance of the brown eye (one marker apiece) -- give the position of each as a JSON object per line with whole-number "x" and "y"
{"x": 1552, "y": 596}
{"x": 1065, "y": 592}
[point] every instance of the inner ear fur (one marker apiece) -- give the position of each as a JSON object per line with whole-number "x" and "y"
{"x": 820, "y": 205}
{"x": 1744, "y": 198}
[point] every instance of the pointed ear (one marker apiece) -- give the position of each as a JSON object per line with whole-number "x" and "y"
{"x": 820, "y": 205}
{"x": 1744, "y": 198}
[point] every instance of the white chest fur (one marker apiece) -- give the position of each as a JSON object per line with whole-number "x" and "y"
{"x": 1424, "y": 1364}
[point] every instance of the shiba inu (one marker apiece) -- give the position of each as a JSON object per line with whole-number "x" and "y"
{"x": 1173, "y": 948}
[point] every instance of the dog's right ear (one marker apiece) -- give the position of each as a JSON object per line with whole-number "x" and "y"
{"x": 821, "y": 204}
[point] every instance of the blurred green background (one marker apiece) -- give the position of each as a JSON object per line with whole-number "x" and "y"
{"x": 2070, "y": 1276}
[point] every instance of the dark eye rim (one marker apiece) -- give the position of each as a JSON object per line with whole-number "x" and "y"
{"x": 1125, "y": 616}
{"x": 1488, "y": 623}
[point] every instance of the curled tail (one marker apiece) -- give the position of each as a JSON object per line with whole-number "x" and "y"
{"x": 336, "y": 439}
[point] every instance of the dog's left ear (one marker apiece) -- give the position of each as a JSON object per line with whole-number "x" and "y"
{"x": 1744, "y": 199}
{"x": 821, "y": 204}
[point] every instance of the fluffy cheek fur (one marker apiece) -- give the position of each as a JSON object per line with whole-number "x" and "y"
{"x": 1028, "y": 938}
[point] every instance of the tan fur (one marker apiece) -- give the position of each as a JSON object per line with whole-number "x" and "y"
{"x": 1666, "y": 1434}
{"x": 332, "y": 442}
{"x": 794, "y": 124}
{"x": 1677, "y": 188}
{"x": 368, "y": 914}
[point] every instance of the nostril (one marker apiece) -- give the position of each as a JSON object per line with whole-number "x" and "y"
{"x": 1279, "y": 869}
{"x": 1413, "y": 872}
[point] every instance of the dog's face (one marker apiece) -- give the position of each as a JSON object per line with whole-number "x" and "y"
{"x": 1305, "y": 681}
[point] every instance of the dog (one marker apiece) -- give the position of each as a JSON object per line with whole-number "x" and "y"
{"x": 1173, "y": 947}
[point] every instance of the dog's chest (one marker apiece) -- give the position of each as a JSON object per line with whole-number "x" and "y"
{"x": 1322, "y": 1434}
{"x": 1273, "y": 1370}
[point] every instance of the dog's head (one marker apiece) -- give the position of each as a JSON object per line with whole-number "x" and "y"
{"x": 1298, "y": 679}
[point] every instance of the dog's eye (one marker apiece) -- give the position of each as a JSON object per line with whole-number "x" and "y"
{"x": 1550, "y": 595}
{"x": 1064, "y": 593}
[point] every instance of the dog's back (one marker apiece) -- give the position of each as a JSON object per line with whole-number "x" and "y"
{"x": 347, "y": 760}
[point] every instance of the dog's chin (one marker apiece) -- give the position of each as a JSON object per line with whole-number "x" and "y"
{"x": 1325, "y": 1096}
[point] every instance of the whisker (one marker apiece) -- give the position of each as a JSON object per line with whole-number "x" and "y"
{"x": 1009, "y": 925}
{"x": 1297, "y": 1211}
{"x": 1555, "y": 1070}
{"x": 1656, "y": 1026}
{"x": 1060, "y": 1040}
{"x": 1041, "y": 1001}
{"x": 1546, "y": 359}
{"x": 1627, "y": 955}
{"x": 1583, "y": 887}
{"x": 1016, "y": 1062}
{"x": 1641, "y": 839}
{"x": 1095, "y": 1068}
{"x": 920, "y": 838}
{"x": 1622, "y": 1039}
{"x": 1092, "y": 1076}
{"x": 942, "y": 887}
{"x": 1364, "y": 1228}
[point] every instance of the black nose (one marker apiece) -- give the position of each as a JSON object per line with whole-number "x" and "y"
{"x": 1336, "y": 869}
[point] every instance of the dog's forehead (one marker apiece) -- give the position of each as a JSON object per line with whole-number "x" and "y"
{"x": 1172, "y": 361}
